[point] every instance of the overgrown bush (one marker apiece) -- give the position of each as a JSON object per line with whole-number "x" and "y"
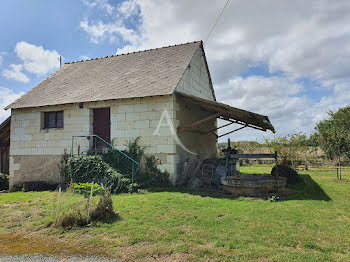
{"x": 4, "y": 182}
{"x": 114, "y": 170}
{"x": 152, "y": 176}
{"x": 117, "y": 183}
{"x": 88, "y": 169}
{"x": 120, "y": 162}
{"x": 85, "y": 189}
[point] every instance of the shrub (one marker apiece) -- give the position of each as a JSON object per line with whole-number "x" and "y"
{"x": 88, "y": 169}
{"x": 4, "y": 182}
{"x": 152, "y": 177}
{"x": 104, "y": 209}
{"x": 287, "y": 172}
{"x": 34, "y": 186}
{"x": 78, "y": 214}
{"x": 85, "y": 189}
{"x": 117, "y": 183}
{"x": 64, "y": 168}
{"x": 114, "y": 170}
{"x": 73, "y": 217}
{"x": 120, "y": 162}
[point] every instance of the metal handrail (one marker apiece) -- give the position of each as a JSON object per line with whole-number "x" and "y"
{"x": 133, "y": 171}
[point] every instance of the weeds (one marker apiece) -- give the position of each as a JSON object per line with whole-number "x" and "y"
{"x": 78, "y": 214}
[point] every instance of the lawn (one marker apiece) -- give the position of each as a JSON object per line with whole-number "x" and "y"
{"x": 312, "y": 225}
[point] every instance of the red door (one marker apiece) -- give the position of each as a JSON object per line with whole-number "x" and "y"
{"x": 102, "y": 126}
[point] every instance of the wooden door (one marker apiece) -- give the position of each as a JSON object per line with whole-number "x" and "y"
{"x": 102, "y": 126}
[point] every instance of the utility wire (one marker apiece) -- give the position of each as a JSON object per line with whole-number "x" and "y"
{"x": 222, "y": 11}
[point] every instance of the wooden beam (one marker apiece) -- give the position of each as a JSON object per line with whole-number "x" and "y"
{"x": 189, "y": 127}
{"x": 241, "y": 123}
{"x": 217, "y": 128}
{"x": 233, "y": 131}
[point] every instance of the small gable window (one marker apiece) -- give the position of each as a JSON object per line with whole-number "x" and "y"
{"x": 53, "y": 119}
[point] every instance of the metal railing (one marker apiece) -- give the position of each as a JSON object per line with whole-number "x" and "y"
{"x": 134, "y": 162}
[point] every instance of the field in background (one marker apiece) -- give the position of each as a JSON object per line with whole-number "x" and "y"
{"x": 312, "y": 225}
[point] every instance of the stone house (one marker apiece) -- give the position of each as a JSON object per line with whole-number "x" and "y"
{"x": 164, "y": 96}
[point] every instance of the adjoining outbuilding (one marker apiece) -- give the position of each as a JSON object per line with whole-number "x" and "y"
{"x": 163, "y": 95}
{"x": 5, "y": 146}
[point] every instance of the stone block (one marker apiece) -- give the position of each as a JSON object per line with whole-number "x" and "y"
{"x": 55, "y": 136}
{"x": 65, "y": 143}
{"x": 37, "y": 151}
{"x": 132, "y": 133}
{"x": 26, "y": 137}
{"x": 114, "y": 109}
{"x": 124, "y": 125}
{"x": 148, "y": 115}
{"x": 126, "y": 108}
{"x": 53, "y": 151}
{"x": 17, "y": 124}
{"x": 31, "y": 130}
{"x": 16, "y": 166}
{"x": 132, "y": 116}
{"x": 41, "y": 143}
{"x": 29, "y": 144}
{"x": 54, "y": 143}
{"x": 118, "y": 117}
{"x": 142, "y": 124}
{"x": 165, "y": 149}
{"x": 20, "y": 131}
{"x": 141, "y": 107}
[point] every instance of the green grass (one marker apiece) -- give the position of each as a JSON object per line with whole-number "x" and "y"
{"x": 312, "y": 225}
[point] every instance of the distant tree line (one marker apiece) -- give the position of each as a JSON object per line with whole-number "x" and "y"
{"x": 332, "y": 135}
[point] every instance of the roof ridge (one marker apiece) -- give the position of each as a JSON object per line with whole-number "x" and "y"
{"x": 146, "y": 50}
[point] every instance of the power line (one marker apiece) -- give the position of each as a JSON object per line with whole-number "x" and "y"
{"x": 222, "y": 11}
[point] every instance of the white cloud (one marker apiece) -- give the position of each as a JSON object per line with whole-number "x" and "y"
{"x": 102, "y": 4}
{"x": 84, "y": 57}
{"x": 1, "y": 60}
{"x": 128, "y": 8}
{"x": 296, "y": 39}
{"x": 7, "y": 96}
{"x": 36, "y": 59}
{"x": 100, "y": 31}
{"x": 15, "y": 73}
{"x": 276, "y": 97}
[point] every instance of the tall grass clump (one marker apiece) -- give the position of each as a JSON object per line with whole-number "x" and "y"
{"x": 78, "y": 215}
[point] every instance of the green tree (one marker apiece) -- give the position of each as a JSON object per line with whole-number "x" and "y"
{"x": 334, "y": 134}
{"x": 289, "y": 148}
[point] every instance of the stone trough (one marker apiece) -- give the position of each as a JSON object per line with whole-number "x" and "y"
{"x": 253, "y": 185}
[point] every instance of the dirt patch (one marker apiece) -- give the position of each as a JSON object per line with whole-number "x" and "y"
{"x": 19, "y": 245}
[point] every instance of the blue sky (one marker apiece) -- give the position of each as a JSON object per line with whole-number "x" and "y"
{"x": 288, "y": 60}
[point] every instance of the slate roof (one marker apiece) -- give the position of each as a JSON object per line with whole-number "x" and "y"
{"x": 139, "y": 74}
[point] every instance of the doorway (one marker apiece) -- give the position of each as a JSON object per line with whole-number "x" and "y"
{"x": 101, "y": 127}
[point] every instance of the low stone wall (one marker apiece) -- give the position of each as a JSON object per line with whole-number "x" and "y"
{"x": 44, "y": 168}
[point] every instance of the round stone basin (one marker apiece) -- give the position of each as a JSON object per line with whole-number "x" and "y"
{"x": 253, "y": 184}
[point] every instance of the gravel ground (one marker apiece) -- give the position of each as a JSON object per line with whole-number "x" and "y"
{"x": 29, "y": 258}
